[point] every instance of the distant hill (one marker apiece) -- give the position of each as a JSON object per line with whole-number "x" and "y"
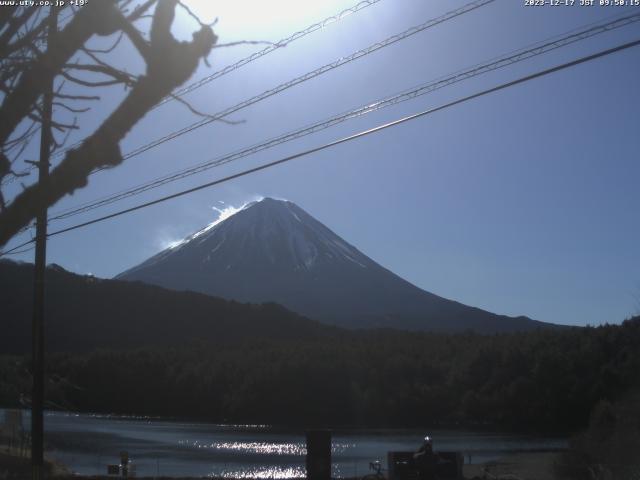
{"x": 273, "y": 250}
{"x": 217, "y": 360}
{"x": 84, "y": 313}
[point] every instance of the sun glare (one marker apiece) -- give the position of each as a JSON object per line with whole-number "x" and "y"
{"x": 260, "y": 20}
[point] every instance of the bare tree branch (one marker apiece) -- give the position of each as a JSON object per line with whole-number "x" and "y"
{"x": 14, "y": 25}
{"x": 141, "y": 10}
{"x": 71, "y": 109}
{"x": 22, "y": 41}
{"x": 89, "y": 83}
{"x": 94, "y": 18}
{"x": 193, "y": 110}
{"x": 169, "y": 64}
{"x": 117, "y": 75}
{"x": 105, "y": 50}
{"x": 76, "y": 97}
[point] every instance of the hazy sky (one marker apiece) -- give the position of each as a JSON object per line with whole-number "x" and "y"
{"x": 524, "y": 202}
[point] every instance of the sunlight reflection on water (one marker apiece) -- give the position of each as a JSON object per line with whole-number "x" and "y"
{"x": 264, "y": 472}
{"x": 162, "y": 448}
{"x": 262, "y": 448}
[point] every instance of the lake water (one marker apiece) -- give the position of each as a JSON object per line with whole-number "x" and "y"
{"x": 87, "y": 443}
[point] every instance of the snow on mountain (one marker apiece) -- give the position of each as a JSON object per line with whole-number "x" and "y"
{"x": 285, "y": 235}
{"x": 273, "y": 251}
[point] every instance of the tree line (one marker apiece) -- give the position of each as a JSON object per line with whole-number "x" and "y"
{"x": 543, "y": 380}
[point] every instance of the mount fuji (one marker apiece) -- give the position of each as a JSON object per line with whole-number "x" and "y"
{"x": 274, "y": 251}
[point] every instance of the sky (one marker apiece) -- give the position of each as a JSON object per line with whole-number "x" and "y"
{"x": 522, "y": 202}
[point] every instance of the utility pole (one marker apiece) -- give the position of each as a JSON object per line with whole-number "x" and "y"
{"x": 37, "y": 333}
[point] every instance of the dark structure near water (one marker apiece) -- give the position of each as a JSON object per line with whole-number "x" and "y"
{"x": 402, "y": 466}
{"x": 318, "y": 455}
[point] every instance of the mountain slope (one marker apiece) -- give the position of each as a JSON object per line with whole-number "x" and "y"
{"x": 83, "y": 313}
{"x": 272, "y": 250}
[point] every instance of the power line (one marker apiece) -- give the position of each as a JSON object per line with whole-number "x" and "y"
{"x": 16, "y": 250}
{"x": 246, "y": 60}
{"x": 255, "y": 56}
{"x": 310, "y": 75}
{"x": 334, "y": 143}
{"x": 271, "y": 48}
{"x": 499, "y": 62}
{"x": 364, "y": 133}
{"x": 303, "y": 78}
{"x": 296, "y": 81}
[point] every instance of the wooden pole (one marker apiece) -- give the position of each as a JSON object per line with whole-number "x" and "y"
{"x": 37, "y": 403}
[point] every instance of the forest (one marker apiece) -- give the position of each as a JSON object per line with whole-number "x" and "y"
{"x": 546, "y": 380}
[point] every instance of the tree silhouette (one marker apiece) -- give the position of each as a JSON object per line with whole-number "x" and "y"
{"x": 28, "y": 64}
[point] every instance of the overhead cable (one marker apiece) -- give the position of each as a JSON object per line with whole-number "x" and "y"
{"x": 500, "y": 62}
{"x": 361, "y": 134}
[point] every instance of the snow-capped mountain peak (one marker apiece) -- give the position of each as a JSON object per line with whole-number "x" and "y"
{"x": 283, "y": 233}
{"x": 272, "y": 250}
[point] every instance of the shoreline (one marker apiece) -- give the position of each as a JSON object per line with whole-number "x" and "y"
{"x": 517, "y": 466}
{"x": 482, "y": 428}
{"x": 514, "y": 466}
